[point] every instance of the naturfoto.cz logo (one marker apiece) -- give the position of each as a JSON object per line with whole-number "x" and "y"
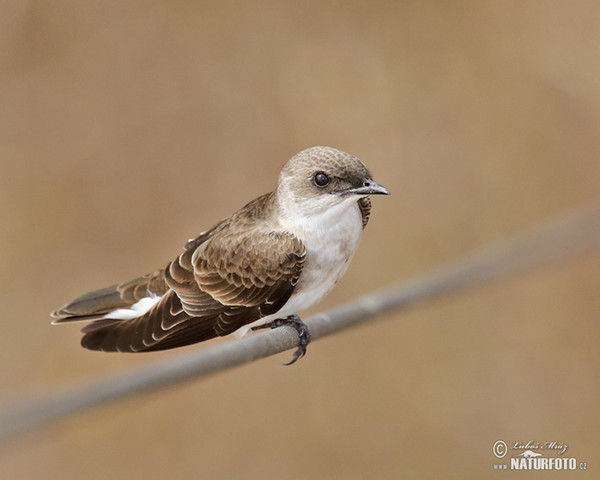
{"x": 532, "y": 458}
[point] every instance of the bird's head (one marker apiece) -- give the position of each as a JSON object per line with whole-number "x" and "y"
{"x": 321, "y": 178}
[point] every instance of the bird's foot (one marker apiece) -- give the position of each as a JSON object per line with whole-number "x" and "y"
{"x": 297, "y": 324}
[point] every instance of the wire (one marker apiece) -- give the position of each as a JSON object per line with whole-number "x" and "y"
{"x": 572, "y": 234}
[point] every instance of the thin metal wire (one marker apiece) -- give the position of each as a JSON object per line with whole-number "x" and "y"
{"x": 572, "y": 234}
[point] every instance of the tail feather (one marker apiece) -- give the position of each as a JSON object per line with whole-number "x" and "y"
{"x": 91, "y": 304}
{"x": 78, "y": 318}
{"x": 96, "y": 304}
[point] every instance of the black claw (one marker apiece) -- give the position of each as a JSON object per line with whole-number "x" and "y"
{"x": 297, "y": 324}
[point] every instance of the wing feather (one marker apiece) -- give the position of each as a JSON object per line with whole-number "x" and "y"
{"x": 229, "y": 276}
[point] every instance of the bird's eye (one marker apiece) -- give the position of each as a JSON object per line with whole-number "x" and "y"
{"x": 321, "y": 179}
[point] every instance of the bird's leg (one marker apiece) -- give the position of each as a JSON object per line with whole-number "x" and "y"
{"x": 297, "y": 324}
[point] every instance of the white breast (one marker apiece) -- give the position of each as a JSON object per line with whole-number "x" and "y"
{"x": 331, "y": 238}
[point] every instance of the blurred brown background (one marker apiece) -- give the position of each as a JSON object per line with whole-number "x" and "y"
{"x": 128, "y": 127}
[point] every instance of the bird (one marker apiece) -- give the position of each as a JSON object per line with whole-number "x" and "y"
{"x": 280, "y": 254}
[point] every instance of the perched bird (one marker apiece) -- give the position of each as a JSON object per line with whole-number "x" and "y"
{"x": 278, "y": 255}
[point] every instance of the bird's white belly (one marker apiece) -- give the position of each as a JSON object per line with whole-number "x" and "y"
{"x": 325, "y": 264}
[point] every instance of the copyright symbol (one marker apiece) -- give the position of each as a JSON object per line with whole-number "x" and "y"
{"x": 500, "y": 449}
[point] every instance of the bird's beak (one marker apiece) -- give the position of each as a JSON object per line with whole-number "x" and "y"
{"x": 369, "y": 187}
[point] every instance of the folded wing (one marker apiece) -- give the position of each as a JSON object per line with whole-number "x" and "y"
{"x": 228, "y": 277}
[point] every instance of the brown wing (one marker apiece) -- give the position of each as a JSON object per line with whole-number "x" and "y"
{"x": 214, "y": 291}
{"x": 251, "y": 276}
{"x": 231, "y": 278}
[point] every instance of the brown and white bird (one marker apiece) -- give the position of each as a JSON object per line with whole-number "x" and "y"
{"x": 278, "y": 255}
